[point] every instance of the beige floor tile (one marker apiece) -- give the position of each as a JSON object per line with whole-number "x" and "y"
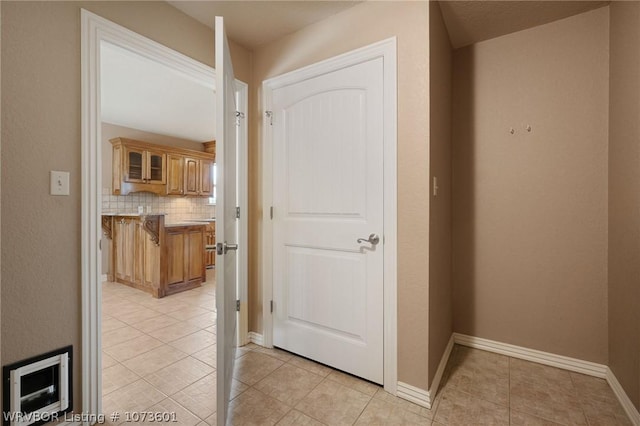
{"x": 174, "y": 332}
{"x": 116, "y": 377}
{"x": 199, "y": 397}
{"x": 460, "y": 408}
{"x": 139, "y": 315}
{"x": 212, "y": 420}
{"x": 379, "y": 412}
{"x": 314, "y": 367}
{"x": 132, "y": 348}
{"x": 187, "y": 313}
{"x": 165, "y": 305}
{"x": 242, "y": 351}
{"x": 237, "y": 388}
{"x": 154, "y": 360}
{"x": 352, "y": 382}
{"x": 110, "y": 324}
{"x": 120, "y": 335}
{"x": 211, "y": 329}
{"x": 522, "y": 370}
{"x": 206, "y": 302}
{"x": 194, "y": 342}
{"x": 288, "y": 384}
{"x": 483, "y": 381}
{"x": 116, "y": 309}
{"x": 275, "y": 352}
{"x": 548, "y": 398}
{"x": 408, "y": 406}
{"x": 107, "y": 360}
{"x": 204, "y": 320}
{"x": 523, "y": 419}
{"x": 253, "y": 407}
{"x": 136, "y": 396}
{"x": 208, "y": 355}
{"x": 296, "y": 418}
{"x": 169, "y": 412}
{"x": 253, "y": 367}
{"x": 599, "y": 403}
{"x": 155, "y": 323}
{"x": 333, "y": 403}
{"x": 179, "y": 375}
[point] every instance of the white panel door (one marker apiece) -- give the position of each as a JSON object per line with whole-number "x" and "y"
{"x": 328, "y": 197}
{"x": 226, "y": 229}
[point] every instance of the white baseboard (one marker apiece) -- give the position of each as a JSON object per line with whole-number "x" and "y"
{"x": 256, "y": 338}
{"x": 443, "y": 363}
{"x": 414, "y": 394}
{"x": 626, "y": 403}
{"x": 104, "y": 277}
{"x": 546, "y": 358}
{"x": 420, "y": 396}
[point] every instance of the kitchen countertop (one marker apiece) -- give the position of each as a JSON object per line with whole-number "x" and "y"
{"x": 184, "y": 223}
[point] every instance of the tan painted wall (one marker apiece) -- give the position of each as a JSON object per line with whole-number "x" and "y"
{"x": 356, "y": 27}
{"x": 530, "y": 209}
{"x": 41, "y": 132}
{"x": 440, "y": 315}
{"x": 624, "y": 198}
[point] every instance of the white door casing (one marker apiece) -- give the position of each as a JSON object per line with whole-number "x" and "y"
{"x": 330, "y": 175}
{"x": 94, "y": 31}
{"x": 226, "y": 226}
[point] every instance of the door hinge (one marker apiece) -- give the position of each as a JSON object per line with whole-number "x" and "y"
{"x": 271, "y": 212}
{"x": 239, "y": 115}
{"x": 271, "y": 306}
{"x": 238, "y": 305}
{"x": 269, "y": 115}
{"x": 237, "y": 212}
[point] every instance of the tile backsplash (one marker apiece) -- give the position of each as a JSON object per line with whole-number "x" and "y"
{"x": 176, "y": 208}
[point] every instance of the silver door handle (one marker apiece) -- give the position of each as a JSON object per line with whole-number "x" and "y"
{"x": 223, "y": 248}
{"x": 373, "y": 240}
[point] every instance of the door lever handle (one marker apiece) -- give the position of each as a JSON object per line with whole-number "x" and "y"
{"x": 373, "y": 240}
{"x": 223, "y": 248}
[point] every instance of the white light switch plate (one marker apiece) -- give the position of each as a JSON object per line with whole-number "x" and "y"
{"x": 59, "y": 183}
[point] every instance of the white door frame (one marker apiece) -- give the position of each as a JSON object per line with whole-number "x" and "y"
{"x": 94, "y": 30}
{"x": 385, "y": 49}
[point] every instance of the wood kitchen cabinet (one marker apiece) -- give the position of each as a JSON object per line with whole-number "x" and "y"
{"x": 144, "y": 167}
{"x": 147, "y": 255}
{"x": 184, "y": 254}
{"x": 175, "y": 174}
{"x": 210, "y": 238}
{"x": 198, "y": 177}
{"x": 136, "y": 257}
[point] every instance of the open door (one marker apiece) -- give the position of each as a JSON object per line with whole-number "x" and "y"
{"x": 226, "y": 229}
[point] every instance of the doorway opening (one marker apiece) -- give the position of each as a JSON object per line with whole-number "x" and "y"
{"x": 140, "y": 338}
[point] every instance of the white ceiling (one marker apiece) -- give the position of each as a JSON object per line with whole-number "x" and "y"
{"x": 472, "y": 21}
{"x": 143, "y": 94}
{"x": 253, "y": 23}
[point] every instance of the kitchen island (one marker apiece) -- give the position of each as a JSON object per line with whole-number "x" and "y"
{"x": 153, "y": 256}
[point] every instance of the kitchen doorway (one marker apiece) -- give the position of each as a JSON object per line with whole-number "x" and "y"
{"x": 97, "y": 31}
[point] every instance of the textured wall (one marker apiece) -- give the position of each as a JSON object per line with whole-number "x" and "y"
{"x": 440, "y": 315}
{"x": 41, "y": 131}
{"x": 356, "y": 27}
{"x": 530, "y": 209}
{"x": 624, "y": 198}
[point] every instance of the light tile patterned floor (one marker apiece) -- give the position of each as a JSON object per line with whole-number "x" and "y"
{"x": 160, "y": 356}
